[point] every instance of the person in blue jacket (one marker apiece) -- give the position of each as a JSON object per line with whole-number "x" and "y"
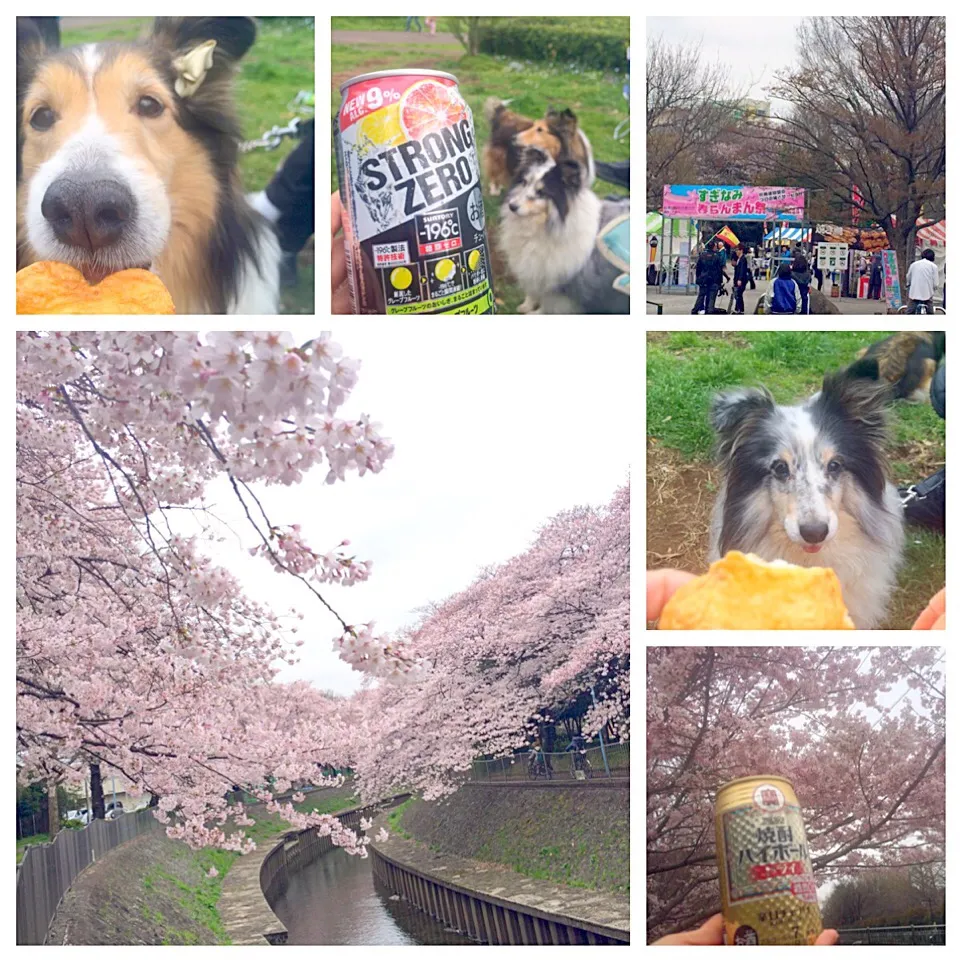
{"x": 786, "y": 293}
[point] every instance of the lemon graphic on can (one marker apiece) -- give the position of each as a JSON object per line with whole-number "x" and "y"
{"x": 473, "y": 261}
{"x": 444, "y": 269}
{"x": 400, "y": 278}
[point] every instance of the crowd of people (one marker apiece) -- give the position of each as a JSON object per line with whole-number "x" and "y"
{"x": 792, "y": 279}
{"x": 789, "y": 292}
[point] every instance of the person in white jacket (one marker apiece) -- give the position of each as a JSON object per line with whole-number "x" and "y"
{"x": 922, "y": 277}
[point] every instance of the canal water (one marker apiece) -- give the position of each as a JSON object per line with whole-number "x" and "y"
{"x": 335, "y": 900}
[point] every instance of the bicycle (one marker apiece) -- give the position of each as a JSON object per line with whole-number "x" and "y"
{"x": 922, "y": 309}
{"x": 581, "y": 763}
{"x": 537, "y": 767}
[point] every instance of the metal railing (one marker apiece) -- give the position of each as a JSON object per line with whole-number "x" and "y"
{"x": 926, "y": 934}
{"x": 48, "y": 869}
{"x": 559, "y": 765}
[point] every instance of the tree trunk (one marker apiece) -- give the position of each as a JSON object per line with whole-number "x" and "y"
{"x": 96, "y": 792}
{"x": 154, "y": 801}
{"x": 53, "y": 812}
{"x": 473, "y": 36}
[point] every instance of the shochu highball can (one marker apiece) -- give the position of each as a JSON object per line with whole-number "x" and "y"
{"x": 413, "y": 219}
{"x": 767, "y": 888}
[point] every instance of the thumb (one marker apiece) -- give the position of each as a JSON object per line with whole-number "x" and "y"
{"x": 710, "y": 934}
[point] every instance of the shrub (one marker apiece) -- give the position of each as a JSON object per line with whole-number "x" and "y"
{"x": 594, "y": 45}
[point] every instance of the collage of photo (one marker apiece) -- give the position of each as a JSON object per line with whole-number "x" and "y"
{"x": 324, "y": 629}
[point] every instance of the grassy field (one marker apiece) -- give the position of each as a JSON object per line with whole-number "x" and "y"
{"x": 685, "y": 369}
{"x": 594, "y": 96}
{"x": 443, "y": 23}
{"x": 278, "y": 66}
{"x": 578, "y": 837}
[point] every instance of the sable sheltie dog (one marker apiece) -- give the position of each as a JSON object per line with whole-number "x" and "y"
{"x": 549, "y": 221}
{"x": 558, "y": 132}
{"x": 127, "y": 157}
{"x": 906, "y": 360}
{"x": 809, "y": 484}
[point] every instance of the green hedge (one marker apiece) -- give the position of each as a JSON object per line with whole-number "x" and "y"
{"x": 595, "y": 46}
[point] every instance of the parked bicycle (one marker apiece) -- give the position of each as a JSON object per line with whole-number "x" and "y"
{"x": 922, "y": 309}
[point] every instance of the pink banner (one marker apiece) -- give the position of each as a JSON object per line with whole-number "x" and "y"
{"x": 732, "y": 203}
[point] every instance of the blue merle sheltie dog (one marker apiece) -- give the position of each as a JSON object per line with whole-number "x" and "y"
{"x": 809, "y": 484}
{"x": 127, "y": 157}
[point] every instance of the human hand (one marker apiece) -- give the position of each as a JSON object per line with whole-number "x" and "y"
{"x": 935, "y": 616}
{"x": 661, "y": 586}
{"x": 340, "y": 301}
{"x": 711, "y": 934}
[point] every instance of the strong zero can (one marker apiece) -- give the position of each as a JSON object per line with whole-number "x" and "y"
{"x": 413, "y": 216}
{"x": 767, "y": 889}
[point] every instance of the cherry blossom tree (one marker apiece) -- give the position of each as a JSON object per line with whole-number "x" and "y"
{"x": 524, "y": 639}
{"x": 860, "y": 731}
{"x": 133, "y": 648}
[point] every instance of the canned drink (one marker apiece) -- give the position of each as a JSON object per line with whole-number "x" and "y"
{"x": 767, "y": 889}
{"x": 413, "y": 218}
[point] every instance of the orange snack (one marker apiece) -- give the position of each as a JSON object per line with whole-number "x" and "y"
{"x": 49, "y": 287}
{"x": 743, "y": 592}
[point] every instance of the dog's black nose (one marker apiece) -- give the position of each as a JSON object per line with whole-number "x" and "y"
{"x": 88, "y": 213}
{"x": 814, "y": 532}
{"x": 514, "y": 207}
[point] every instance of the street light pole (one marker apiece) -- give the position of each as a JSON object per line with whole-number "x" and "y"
{"x": 603, "y": 749}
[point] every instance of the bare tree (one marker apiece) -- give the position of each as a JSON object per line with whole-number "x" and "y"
{"x": 689, "y": 103}
{"x": 868, "y": 109}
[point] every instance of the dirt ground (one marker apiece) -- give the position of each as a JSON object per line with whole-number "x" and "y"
{"x": 680, "y": 498}
{"x": 111, "y": 904}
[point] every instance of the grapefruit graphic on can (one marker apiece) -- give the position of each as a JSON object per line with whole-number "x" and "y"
{"x": 413, "y": 219}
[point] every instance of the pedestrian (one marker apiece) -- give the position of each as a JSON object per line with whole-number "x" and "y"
{"x": 876, "y": 279}
{"x": 741, "y": 274}
{"x": 786, "y": 293}
{"x": 817, "y": 272}
{"x": 802, "y": 276}
{"x": 751, "y": 273}
{"x": 922, "y": 280}
{"x": 431, "y": 23}
{"x": 419, "y": 25}
{"x": 708, "y": 281}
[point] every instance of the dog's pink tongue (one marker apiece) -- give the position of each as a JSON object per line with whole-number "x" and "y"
{"x": 811, "y": 548}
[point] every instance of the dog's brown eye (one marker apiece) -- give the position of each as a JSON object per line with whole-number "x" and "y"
{"x": 149, "y": 107}
{"x": 780, "y": 470}
{"x": 43, "y": 118}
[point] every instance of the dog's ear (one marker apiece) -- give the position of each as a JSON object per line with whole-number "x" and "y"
{"x": 564, "y": 122}
{"x": 730, "y": 412}
{"x": 856, "y": 398}
{"x": 201, "y": 49}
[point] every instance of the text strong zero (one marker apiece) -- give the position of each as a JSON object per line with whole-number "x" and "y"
{"x": 767, "y": 889}
{"x": 413, "y": 217}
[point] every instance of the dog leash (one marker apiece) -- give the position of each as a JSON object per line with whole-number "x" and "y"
{"x": 272, "y": 138}
{"x": 922, "y": 490}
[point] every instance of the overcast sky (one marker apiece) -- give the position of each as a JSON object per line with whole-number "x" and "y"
{"x": 754, "y": 48}
{"x": 497, "y": 427}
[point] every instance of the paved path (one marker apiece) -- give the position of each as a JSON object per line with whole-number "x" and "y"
{"x": 674, "y": 304}
{"x": 593, "y": 907}
{"x": 246, "y": 915}
{"x": 386, "y": 38}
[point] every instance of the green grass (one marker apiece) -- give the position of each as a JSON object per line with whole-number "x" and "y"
{"x": 25, "y": 842}
{"x": 594, "y": 96}
{"x": 383, "y": 23}
{"x": 685, "y": 369}
{"x": 277, "y": 67}
{"x": 395, "y": 817}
